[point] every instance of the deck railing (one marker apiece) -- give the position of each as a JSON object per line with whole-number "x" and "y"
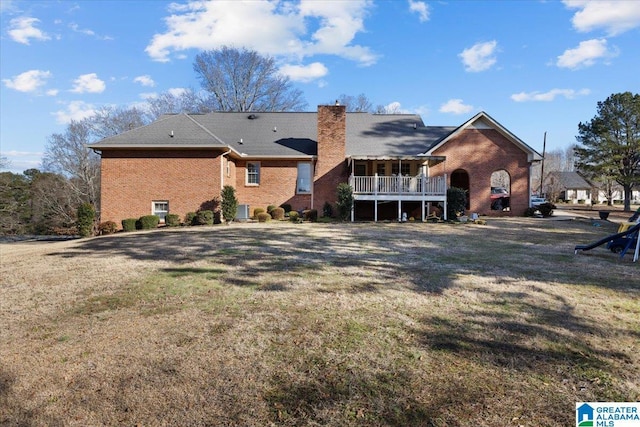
{"x": 395, "y": 185}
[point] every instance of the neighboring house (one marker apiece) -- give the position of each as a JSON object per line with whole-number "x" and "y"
{"x": 570, "y": 187}
{"x": 395, "y": 164}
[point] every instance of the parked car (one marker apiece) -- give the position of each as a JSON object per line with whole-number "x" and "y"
{"x": 537, "y": 201}
{"x": 500, "y": 199}
{"x": 499, "y": 192}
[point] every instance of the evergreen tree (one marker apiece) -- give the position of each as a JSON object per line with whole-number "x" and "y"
{"x": 610, "y": 143}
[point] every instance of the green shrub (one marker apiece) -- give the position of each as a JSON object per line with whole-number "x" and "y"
{"x": 129, "y": 224}
{"x": 546, "y": 209}
{"x": 530, "y": 212}
{"x": 229, "y": 203}
{"x": 107, "y": 227}
{"x": 277, "y": 214}
{"x": 86, "y": 216}
{"x": 581, "y": 201}
{"x": 286, "y": 207}
{"x": 172, "y": 220}
{"x": 257, "y": 211}
{"x": 456, "y": 202}
{"x": 203, "y": 218}
{"x": 294, "y": 216}
{"x": 263, "y": 217}
{"x": 345, "y": 201}
{"x": 147, "y": 222}
{"x": 189, "y": 218}
{"x": 327, "y": 210}
{"x": 270, "y": 208}
{"x": 310, "y": 215}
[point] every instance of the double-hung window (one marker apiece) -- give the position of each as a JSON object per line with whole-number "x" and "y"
{"x": 303, "y": 183}
{"x": 253, "y": 173}
{"x": 160, "y": 209}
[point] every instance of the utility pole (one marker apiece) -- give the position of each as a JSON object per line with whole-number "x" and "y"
{"x": 544, "y": 148}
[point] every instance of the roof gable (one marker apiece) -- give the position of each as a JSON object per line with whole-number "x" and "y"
{"x": 484, "y": 121}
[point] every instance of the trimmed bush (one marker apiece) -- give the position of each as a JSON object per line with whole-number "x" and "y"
{"x": 294, "y": 216}
{"x": 270, "y": 208}
{"x": 129, "y": 224}
{"x": 345, "y": 201}
{"x": 530, "y": 212}
{"x": 327, "y": 210}
{"x": 456, "y": 202}
{"x": 286, "y": 207}
{"x": 86, "y": 216}
{"x": 310, "y": 215}
{"x": 189, "y": 218}
{"x": 263, "y": 217}
{"x": 257, "y": 211}
{"x": 277, "y": 214}
{"x": 546, "y": 209}
{"x": 229, "y": 203}
{"x": 147, "y": 222}
{"x": 107, "y": 227}
{"x": 172, "y": 220}
{"x": 203, "y": 218}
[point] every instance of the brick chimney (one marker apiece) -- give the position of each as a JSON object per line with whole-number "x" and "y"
{"x": 330, "y": 167}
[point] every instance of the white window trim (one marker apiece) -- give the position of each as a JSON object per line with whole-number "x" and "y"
{"x": 310, "y": 177}
{"x": 246, "y": 175}
{"x": 154, "y": 211}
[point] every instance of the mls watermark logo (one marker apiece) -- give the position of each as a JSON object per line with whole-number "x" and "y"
{"x": 607, "y": 414}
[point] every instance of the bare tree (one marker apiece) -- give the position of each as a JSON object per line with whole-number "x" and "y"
{"x": 186, "y": 101}
{"x": 355, "y": 104}
{"x": 110, "y": 121}
{"x": 67, "y": 154}
{"x": 242, "y": 80}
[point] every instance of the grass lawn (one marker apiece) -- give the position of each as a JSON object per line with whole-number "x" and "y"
{"x": 319, "y": 324}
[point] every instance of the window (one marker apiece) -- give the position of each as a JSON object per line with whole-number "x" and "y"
{"x": 404, "y": 169}
{"x": 360, "y": 169}
{"x": 380, "y": 169}
{"x": 304, "y": 178}
{"x": 253, "y": 173}
{"x": 161, "y": 209}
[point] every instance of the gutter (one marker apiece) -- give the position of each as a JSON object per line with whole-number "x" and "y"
{"x": 222, "y": 167}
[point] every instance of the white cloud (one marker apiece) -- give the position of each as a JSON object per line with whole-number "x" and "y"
{"x": 145, "y": 80}
{"x": 550, "y": 95}
{"x": 480, "y": 56}
{"x": 76, "y": 28}
{"x": 75, "y": 110}
{"x": 585, "y": 54}
{"x": 22, "y": 29}
{"x": 615, "y": 17}
{"x": 148, "y": 95}
{"x": 421, "y": 8}
{"x": 52, "y": 92}
{"x": 29, "y": 81}
{"x": 88, "y": 83}
{"x": 271, "y": 28}
{"x": 455, "y": 106}
{"x": 304, "y": 73}
{"x": 177, "y": 91}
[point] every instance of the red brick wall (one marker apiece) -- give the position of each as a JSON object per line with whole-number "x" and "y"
{"x": 331, "y": 168}
{"x": 132, "y": 179}
{"x": 480, "y": 152}
{"x": 277, "y": 185}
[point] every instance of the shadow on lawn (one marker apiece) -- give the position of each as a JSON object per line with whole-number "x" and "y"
{"x": 391, "y": 255}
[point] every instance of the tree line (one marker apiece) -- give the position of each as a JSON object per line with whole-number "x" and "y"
{"x": 46, "y": 201}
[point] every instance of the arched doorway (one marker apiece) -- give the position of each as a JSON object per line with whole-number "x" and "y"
{"x": 500, "y": 190}
{"x": 460, "y": 179}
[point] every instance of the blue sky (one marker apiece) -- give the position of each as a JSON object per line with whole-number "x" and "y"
{"x": 534, "y": 66}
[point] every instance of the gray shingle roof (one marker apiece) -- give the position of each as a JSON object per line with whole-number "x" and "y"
{"x": 283, "y": 134}
{"x": 571, "y": 180}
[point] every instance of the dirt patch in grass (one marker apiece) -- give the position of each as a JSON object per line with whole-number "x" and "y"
{"x": 318, "y": 324}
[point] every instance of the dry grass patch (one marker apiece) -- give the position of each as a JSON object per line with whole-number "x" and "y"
{"x": 318, "y": 324}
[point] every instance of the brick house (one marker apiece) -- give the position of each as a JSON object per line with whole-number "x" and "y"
{"x": 395, "y": 164}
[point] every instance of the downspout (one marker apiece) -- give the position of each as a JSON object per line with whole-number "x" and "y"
{"x": 222, "y": 168}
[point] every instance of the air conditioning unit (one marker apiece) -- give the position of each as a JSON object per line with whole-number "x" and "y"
{"x": 242, "y": 213}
